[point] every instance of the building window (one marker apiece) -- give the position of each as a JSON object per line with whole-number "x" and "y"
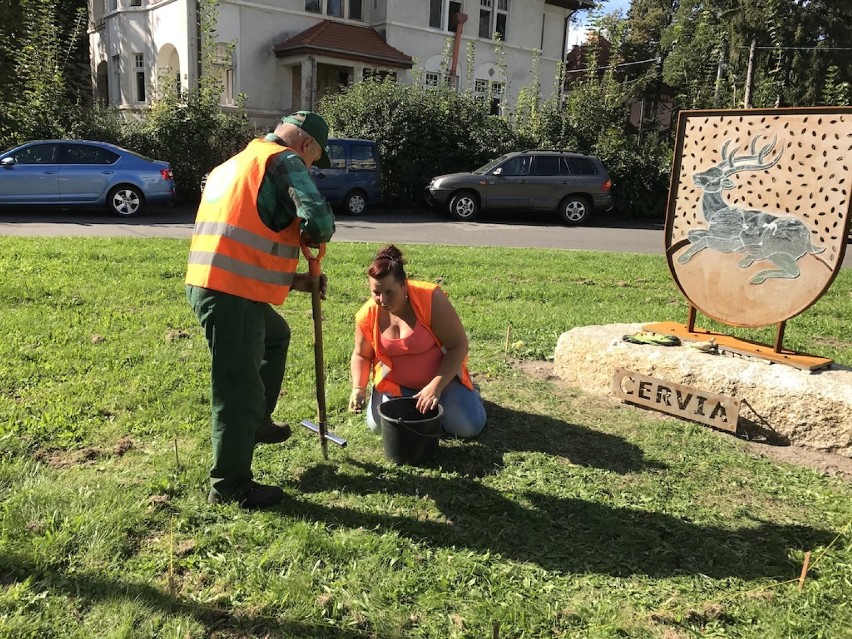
{"x": 116, "y": 72}
{"x": 434, "y": 78}
{"x": 435, "y": 13}
{"x": 135, "y": 3}
{"x": 139, "y": 66}
{"x": 491, "y": 21}
{"x": 334, "y": 8}
{"x": 501, "y": 20}
{"x": 490, "y": 91}
{"x": 111, "y": 5}
{"x": 443, "y": 14}
{"x": 485, "y": 18}
{"x": 452, "y": 16}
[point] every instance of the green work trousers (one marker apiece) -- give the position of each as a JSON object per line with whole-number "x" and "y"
{"x": 248, "y": 344}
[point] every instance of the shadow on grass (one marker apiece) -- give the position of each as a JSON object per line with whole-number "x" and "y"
{"x": 83, "y": 587}
{"x": 567, "y": 535}
{"x": 509, "y": 430}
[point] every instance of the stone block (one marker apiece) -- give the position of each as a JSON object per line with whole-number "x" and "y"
{"x": 812, "y": 409}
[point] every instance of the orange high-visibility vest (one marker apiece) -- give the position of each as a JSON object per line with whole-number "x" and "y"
{"x": 367, "y": 321}
{"x": 232, "y": 250}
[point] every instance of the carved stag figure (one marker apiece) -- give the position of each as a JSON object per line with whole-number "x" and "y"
{"x": 758, "y": 235}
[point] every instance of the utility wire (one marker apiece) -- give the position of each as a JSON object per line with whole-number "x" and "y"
{"x": 614, "y": 66}
{"x": 803, "y": 48}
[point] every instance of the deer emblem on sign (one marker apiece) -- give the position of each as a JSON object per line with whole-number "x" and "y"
{"x": 757, "y": 235}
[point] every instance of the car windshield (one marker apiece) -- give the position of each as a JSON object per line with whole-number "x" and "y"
{"x": 485, "y": 169}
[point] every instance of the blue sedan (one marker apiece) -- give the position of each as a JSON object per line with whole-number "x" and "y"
{"x": 83, "y": 173}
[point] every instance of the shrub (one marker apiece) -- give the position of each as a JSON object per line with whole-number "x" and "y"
{"x": 420, "y": 132}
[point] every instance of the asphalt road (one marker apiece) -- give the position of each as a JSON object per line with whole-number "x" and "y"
{"x": 405, "y": 227}
{"x": 520, "y": 230}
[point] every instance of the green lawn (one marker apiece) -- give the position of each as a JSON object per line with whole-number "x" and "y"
{"x": 571, "y": 516}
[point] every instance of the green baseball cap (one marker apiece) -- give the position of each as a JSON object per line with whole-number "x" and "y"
{"x": 316, "y": 127}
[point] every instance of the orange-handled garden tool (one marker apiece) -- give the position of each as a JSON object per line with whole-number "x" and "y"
{"x": 315, "y": 271}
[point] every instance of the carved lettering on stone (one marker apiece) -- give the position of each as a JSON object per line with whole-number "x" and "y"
{"x": 679, "y": 400}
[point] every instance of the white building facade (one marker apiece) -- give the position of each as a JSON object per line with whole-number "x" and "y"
{"x": 284, "y": 55}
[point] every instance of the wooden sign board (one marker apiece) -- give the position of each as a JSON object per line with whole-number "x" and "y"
{"x": 682, "y": 401}
{"x": 759, "y": 209}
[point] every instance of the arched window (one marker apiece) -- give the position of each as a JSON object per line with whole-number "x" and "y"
{"x": 489, "y": 86}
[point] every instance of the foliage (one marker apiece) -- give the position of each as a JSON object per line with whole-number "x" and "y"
{"x": 421, "y": 132}
{"x": 570, "y": 517}
{"x": 797, "y": 43}
{"x": 44, "y": 49}
{"x": 526, "y": 116}
{"x": 835, "y": 92}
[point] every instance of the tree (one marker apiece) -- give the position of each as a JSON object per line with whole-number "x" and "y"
{"x": 43, "y": 85}
{"x": 705, "y": 48}
{"x": 421, "y": 132}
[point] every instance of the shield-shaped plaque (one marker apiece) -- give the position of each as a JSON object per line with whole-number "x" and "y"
{"x": 759, "y": 210}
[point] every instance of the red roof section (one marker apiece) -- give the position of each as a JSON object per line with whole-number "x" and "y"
{"x": 346, "y": 41}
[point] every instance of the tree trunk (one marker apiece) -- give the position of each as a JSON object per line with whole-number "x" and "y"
{"x": 750, "y": 74}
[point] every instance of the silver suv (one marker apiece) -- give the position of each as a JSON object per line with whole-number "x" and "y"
{"x": 571, "y": 184}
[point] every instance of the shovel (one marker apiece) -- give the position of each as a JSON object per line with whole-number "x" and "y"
{"x": 315, "y": 270}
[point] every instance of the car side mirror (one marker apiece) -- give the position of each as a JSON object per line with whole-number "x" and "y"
{"x": 9, "y": 161}
{"x": 498, "y": 171}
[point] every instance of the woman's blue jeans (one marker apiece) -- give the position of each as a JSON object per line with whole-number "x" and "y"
{"x": 464, "y": 412}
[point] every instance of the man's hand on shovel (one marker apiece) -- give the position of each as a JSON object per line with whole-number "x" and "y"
{"x": 304, "y": 283}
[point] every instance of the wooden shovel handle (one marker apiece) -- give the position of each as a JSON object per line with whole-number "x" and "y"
{"x": 314, "y": 266}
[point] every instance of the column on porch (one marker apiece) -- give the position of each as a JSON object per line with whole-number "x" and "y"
{"x": 309, "y": 82}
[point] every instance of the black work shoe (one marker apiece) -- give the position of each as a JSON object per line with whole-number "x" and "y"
{"x": 257, "y": 496}
{"x": 272, "y": 433}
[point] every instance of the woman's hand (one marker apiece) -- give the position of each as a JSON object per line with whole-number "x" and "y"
{"x": 428, "y": 397}
{"x": 357, "y": 400}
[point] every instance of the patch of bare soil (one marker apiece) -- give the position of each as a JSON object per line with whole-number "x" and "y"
{"x": 827, "y": 463}
{"x": 62, "y": 458}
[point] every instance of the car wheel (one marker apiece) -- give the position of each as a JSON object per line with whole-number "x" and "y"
{"x": 464, "y": 206}
{"x": 125, "y": 200}
{"x": 574, "y": 210}
{"x": 355, "y": 203}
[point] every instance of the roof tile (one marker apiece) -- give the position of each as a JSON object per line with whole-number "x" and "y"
{"x": 345, "y": 41}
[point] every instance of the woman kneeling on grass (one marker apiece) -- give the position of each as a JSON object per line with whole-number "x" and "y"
{"x": 410, "y": 341}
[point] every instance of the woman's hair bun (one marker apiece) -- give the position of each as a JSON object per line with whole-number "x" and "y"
{"x": 390, "y": 253}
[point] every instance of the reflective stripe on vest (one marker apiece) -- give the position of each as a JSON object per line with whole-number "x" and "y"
{"x": 232, "y": 250}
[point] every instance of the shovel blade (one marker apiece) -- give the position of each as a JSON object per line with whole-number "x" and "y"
{"x": 334, "y": 439}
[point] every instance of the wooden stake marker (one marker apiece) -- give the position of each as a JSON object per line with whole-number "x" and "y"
{"x": 805, "y": 567}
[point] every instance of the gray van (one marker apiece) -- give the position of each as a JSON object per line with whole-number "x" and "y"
{"x": 353, "y": 181}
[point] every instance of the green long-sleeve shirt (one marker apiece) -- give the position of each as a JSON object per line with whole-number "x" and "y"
{"x": 287, "y": 191}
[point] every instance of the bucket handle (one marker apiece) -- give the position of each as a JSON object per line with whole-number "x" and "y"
{"x": 401, "y": 422}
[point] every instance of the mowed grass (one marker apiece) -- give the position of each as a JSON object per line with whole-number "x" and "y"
{"x": 571, "y": 516}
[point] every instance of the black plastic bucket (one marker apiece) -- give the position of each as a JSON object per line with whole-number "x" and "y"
{"x": 409, "y": 436}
